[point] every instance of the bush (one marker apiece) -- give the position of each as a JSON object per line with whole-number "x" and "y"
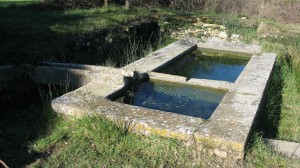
{"x": 279, "y": 10}
{"x": 66, "y": 4}
{"x": 287, "y": 11}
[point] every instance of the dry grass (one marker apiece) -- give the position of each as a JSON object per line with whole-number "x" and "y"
{"x": 284, "y": 11}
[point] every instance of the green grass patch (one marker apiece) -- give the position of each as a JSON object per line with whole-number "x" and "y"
{"x": 260, "y": 155}
{"x": 94, "y": 141}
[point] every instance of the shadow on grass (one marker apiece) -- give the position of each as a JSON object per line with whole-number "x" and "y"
{"x": 25, "y": 116}
{"x": 26, "y": 32}
{"x": 31, "y": 33}
{"x": 269, "y": 118}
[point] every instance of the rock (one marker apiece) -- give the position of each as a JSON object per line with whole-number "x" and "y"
{"x": 207, "y": 25}
{"x": 243, "y": 18}
{"x": 209, "y": 31}
{"x": 260, "y": 27}
{"x": 127, "y": 73}
{"x": 220, "y": 153}
{"x": 214, "y": 33}
{"x": 223, "y": 35}
{"x": 235, "y": 37}
{"x": 198, "y": 24}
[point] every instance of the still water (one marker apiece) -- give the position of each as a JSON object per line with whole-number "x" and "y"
{"x": 181, "y": 99}
{"x": 195, "y": 65}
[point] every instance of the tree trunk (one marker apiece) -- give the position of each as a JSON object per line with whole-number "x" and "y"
{"x": 106, "y": 3}
{"x": 127, "y": 4}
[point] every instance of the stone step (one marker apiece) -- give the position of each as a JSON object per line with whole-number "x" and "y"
{"x": 286, "y": 148}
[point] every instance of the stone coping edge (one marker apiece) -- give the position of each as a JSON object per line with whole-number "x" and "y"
{"x": 214, "y": 84}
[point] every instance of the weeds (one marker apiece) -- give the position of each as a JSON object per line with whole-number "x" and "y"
{"x": 25, "y": 115}
{"x": 260, "y": 155}
{"x": 133, "y": 51}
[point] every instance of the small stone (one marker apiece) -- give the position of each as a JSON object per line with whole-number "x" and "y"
{"x": 210, "y": 152}
{"x": 214, "y": 33}
{"x": 235, "y": 37}
{"x": 127, "y": 73}
{"x": 223, "y": 35}
{"x": 243, "y": 18}
{"x": 198, "y": 24}
{"x": 221, "y": 154}
{"x": 207, "y": 25}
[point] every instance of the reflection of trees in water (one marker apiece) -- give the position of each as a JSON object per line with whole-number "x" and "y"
{"x": 177, "y": 66}
{"x": 205, "y": 67}
{"x": 207, "y": 64}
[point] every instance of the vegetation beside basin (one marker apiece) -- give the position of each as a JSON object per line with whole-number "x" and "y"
{"x": 282, "y": 111}
{"x": 32, "y": 33}
{"x": 35, "y": 136}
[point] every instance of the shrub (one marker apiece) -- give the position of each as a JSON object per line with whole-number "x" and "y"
{"x": 280, "y": 10}
{"x": 66, "y": 4}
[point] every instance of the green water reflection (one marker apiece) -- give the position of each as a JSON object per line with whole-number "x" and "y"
{"x": 181, "y": 99}
{"x": 196, "y": 65}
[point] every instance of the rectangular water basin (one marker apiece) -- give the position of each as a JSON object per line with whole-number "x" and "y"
{"x": 215, "y": 66}
{"x": 176, "y": 98}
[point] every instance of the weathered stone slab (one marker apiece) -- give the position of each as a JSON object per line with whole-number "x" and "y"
{"x": 75, "y": 66}
{"x": 296, "y": 154}
{"x": 290, "y": 149}
{"x": 167, "y": 77}
{"x": 163, "y": 57}
{"x": 148, "y": 121}
{"x": 105, "y": 84}
{"x": 216, "y": 44}
{"x": 222, "y": 85}
{"x": 231, "y": 122}
{"x": 257, "y": 72}
{"x": 61, "y": 76}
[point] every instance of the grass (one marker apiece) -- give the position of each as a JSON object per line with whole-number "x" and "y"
{"x": 35, "y": 136}
{"x": 90, "y": 142}
{"x": 260, "y": 155}
{"x": 289, "y": 126}
{"x": 94, "y": 142}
